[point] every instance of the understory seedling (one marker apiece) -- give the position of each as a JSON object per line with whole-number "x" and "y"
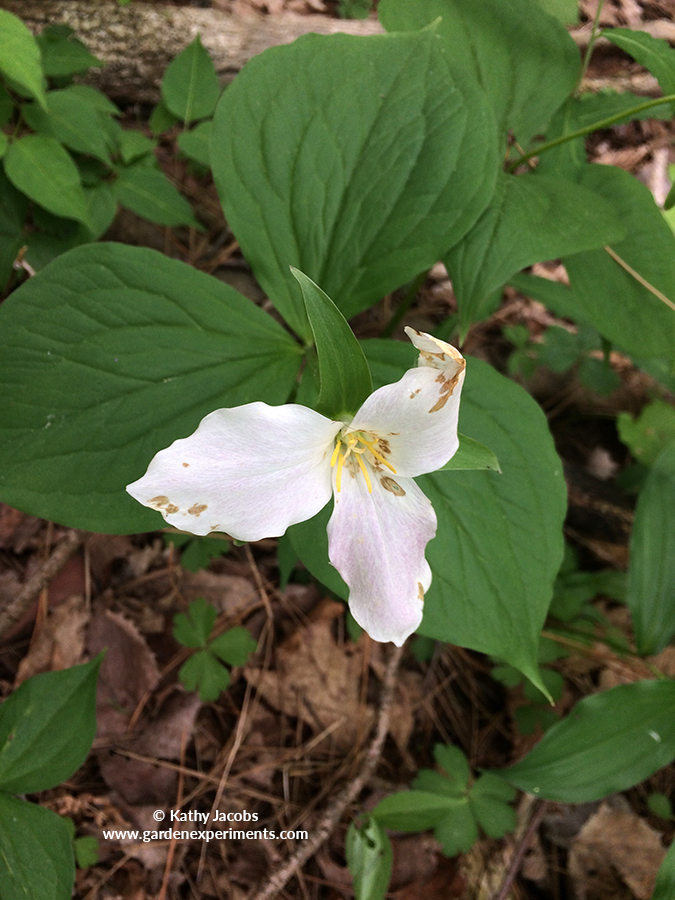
{"x": 207, "y": 670}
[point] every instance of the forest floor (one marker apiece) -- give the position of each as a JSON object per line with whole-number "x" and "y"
{"x": 293, "y": 727}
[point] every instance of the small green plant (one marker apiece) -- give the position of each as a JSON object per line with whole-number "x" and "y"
{"x": 67, "y": 163}
{"x": 561, "y": 350}
{"x": 46, "y": 729}
{"x": 452, "y": 802}
{"x": 206, "y": 670}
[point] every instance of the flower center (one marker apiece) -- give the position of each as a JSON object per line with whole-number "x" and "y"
{"x": 355, "y": 444}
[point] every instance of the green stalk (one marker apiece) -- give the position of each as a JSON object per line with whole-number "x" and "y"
{"x": 596, "y": 126}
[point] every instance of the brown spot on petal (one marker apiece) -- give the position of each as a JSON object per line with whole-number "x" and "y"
{"x": 197, "y": 508}
{"x": 393, "y": 486}
{"x": 186, "y": 465}
{"x": 163, "y": 504}
{"x": 420, "y": 591}
{"x": 414, "y": 393}
{"x": 448, "y": 385}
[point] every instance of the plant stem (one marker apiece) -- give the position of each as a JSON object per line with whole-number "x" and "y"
{"x": 580, "y": 132}
{"x": 591, "y": 45}
{"x": 405, "y": 304}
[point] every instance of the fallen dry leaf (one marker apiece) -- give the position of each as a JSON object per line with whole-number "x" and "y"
{"x": 615, "y": 843}
{"x": 318, "y": 681}
{"x": 58, "y": 642}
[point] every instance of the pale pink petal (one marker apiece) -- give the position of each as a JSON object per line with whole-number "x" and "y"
{"x": 376, "y": 541}
{"x": 415, "y": 419}
{"x": 250, "y": 471}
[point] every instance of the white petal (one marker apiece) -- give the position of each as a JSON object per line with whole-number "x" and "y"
{"x": 376, "y": 541}
{"x": 250, "y": 471}
{"x": 415, "y": 418}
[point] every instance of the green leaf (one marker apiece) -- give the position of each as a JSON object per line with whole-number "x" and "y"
{"x": 20, "y": 56}
{"x": 664, "y": 889}
{"x": 499, "y": 536}
{"x": 161, "y": 119}
{"x": 531, "y": 218}
{"x": 63, "y": 53}
{"x": 39, "y": 167}
{"x": 118, "y": 351}
{"x": 653, "y": 53}
{"x": 344, "y": 375}
{"x": 195, "y": 143}
{"x": 190, "y": 87}
{"x": 36, "y": 853}
{"x": 523, "y": 58}
{"x": 150, "y": 194}
{"x": 596, "y": 280}
{"x": 70, "y": 119}
{"x": 234, "y": 646}
{"x": 608, "y": 743}
{"x": 133, "y": 145}
{"x": 369, "y": 859}
{"x": 457, "y": 833}
{"x": 358, "y": 160}
{"x": 565, "y": 10}
{"x": 650, "y": 433}
{"x": 204, "y": 673}
{"x": 46, "y": 728}
{"x": 435, "y": 783}
{"x": 660, "y": 805}
{"x": 415, "y": 810}
{"x": 86, "y": 851}
{"x": 603, "y": 294}
{"x": 454, "y": 762}
{"x": 94, "y": 98}
{"x": 651, "y": 574}
{"x": 194, "y": 628}
{"x": 472, "y": 455}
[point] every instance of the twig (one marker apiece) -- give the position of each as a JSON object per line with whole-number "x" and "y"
{"x": 521, "y": 850}
{"x": 14, "y": 610}
{"x": 278, "y": 880}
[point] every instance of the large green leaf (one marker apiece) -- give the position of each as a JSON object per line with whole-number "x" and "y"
{"x": 36, "y": 852}
{"x": 20, "y": 56}
{"x": 523, "y": 57}
{"x": 46, "y": 728}
{"x": 358, "y": 160}
{"x": 608, "y": 743}
{"x": 530, "y": 219}
{"x": 39, "y": 167}
{"x": 651, "y": 575}
{"x": 107, "y": 356}
{"x": 344, "y": 375}
{"x": 603, "y": 294}
{"x": 499, "y": 541}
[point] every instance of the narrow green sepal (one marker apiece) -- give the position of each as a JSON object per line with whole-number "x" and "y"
{"x": 472, "y": 455}
{"x": 344, "y": 374}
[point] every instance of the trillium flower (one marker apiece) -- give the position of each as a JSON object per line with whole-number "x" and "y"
{"x": 254, "y": 470}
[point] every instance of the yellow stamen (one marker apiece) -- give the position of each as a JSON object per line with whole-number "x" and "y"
{"x": 378, "y": 455}
{"x": 338, "y": 476}
{"x": 365, "y": 474}
{"x": 335, "y": 454}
